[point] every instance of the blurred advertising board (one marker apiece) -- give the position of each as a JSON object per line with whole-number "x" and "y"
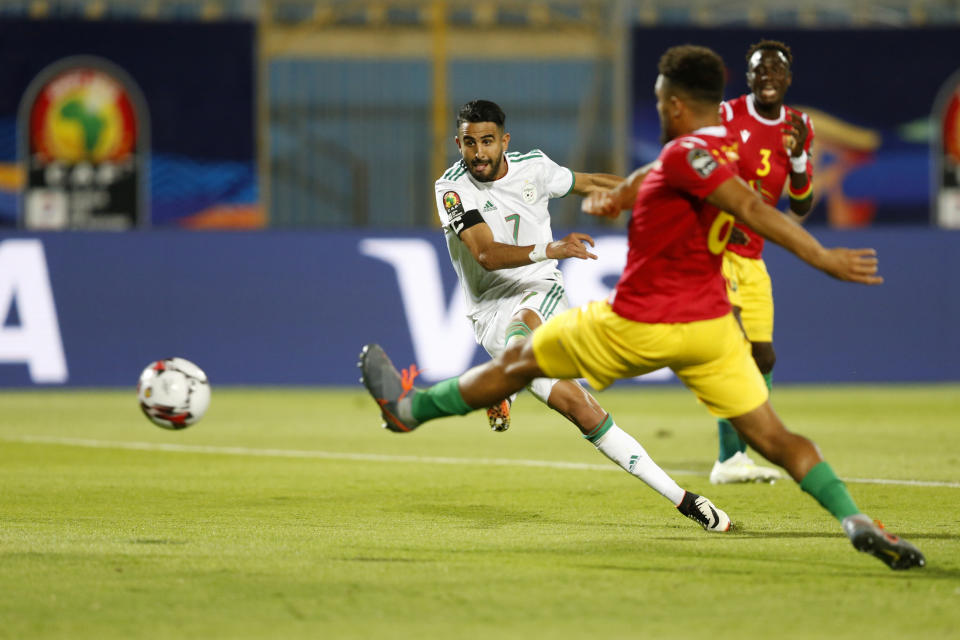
{"x": 294, "y": 308}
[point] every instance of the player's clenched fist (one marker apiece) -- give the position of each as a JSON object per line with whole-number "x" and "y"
{"x": 601, "y": 203}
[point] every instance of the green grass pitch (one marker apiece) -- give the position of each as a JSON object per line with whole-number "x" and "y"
{"x": 291, "y": 514}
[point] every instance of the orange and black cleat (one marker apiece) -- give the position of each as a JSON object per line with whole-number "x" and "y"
{"x": 499, "y": 415}
{"x": 388, "y": 387}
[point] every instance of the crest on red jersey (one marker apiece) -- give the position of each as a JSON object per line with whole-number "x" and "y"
{"x": 701, "y": 161}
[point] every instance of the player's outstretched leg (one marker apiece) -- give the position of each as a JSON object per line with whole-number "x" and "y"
{"x": 704, "y": 513}
{"x": 572, "y": 401}
{"x": 764, "y": 431}
{"x": 405, "y": 407}
{"x": 870, "y": 537}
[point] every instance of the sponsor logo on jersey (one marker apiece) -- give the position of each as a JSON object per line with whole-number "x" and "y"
{"x": 701, "y": 161}
{"x": 489, "y": 206}
{"x": 744, "y": 135}
{"x": 452, "y": 204}
{"x": 529, "y": 192}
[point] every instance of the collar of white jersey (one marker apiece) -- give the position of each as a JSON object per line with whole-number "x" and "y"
{"x": 752, "y": 109}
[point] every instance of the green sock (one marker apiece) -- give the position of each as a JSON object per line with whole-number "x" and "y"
{"x": 824, "y": 485}
{"x": 442, "y": 399}
{"x": 730, "y": 440}
{"x": 768, "y": 378}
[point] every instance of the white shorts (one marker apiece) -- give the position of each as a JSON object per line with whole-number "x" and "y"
{"x": 546, "y": 298}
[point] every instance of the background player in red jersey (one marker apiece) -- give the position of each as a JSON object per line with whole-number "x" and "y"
{"x": 772, "y": 142}
{"x": 669, "y": 307}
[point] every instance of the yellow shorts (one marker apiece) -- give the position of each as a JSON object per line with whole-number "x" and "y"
{"x": 749, "y": 287}
{"x": 711, "y": 357}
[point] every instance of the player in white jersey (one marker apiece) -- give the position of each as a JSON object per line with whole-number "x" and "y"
{"x": 493, "y": 208}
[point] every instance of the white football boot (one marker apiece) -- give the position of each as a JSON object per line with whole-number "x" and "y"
{"x": 705, "y": 513}
{"x": 740, "y": 468}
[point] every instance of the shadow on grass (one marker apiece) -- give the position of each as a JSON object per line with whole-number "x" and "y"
{"x": 482, "y": 516}
{"x": 746, "y": 533}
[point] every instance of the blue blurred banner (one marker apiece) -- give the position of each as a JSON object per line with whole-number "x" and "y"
{"x": 870, "y": 92}
{"x": 284, "y": 308}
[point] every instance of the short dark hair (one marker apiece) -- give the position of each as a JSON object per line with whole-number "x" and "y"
{"x": 771, "y": 45}
{"x": 481, "y": 111}
{"x": 697, "y": 71}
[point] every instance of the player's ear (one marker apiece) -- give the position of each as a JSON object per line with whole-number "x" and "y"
{"x": 457, "y": 140}
{"x": 506, "y": 141}
{"x": 676, "y": 105}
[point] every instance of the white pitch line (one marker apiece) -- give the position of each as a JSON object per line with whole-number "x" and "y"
{"x": 378, "y": 457}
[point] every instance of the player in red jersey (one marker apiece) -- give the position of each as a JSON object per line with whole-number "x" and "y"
{"x": 772, "y": 142}
{"x": 669, "y": 308}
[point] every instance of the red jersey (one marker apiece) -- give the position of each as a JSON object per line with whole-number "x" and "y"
{"x": 763, "y": 160}
{"x": 675, "y": 239}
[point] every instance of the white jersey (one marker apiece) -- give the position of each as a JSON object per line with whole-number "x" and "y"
{"x": 515, "y": 209}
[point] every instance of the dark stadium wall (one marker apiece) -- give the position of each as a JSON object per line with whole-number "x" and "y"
{"x": 294, "y": 308}
{"x": 872, "y": 91}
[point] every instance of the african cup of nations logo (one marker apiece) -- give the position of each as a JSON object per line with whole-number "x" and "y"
{"x": 82, "y": 115}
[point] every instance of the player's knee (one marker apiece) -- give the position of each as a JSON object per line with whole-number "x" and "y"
{"x": 542, "y": 389}
{"x": 764, "y": 356}
{"x": 519, "y": 362}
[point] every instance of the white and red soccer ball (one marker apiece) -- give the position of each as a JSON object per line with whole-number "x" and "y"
{"x": 174, "y": 393}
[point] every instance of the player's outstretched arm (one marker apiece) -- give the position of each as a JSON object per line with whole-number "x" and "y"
{"x": 493, "y": 255}
{"x": 587, "y": 183}
{"x": 853, "y": 265}
{"x": 609, "y": 203}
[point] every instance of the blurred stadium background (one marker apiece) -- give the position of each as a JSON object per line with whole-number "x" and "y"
{"x": 249, "y": 184}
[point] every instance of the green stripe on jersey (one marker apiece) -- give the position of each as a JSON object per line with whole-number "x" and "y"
{"x": 549, "y": 303}
{"x": 454, "y": 172}
{"x": 573, "y": 183}
{"x": 526, "y": 157}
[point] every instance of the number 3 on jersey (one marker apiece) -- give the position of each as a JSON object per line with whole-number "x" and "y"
{"x": 764, "y": 163}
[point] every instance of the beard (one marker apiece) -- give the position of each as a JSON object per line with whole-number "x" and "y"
{"x": 493, "y": 168}
{"x": 665, "y": 135}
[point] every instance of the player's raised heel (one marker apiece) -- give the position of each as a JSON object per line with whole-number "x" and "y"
{"x": 741, "y": 468}
{"x": 499, "y": 416}
{"x": 870, "y": 537}
{"x": 388, "y": 387}
{"x": 703, "y": 512}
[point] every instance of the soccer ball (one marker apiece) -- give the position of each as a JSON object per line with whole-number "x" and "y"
{"x": 174, "y": 393}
